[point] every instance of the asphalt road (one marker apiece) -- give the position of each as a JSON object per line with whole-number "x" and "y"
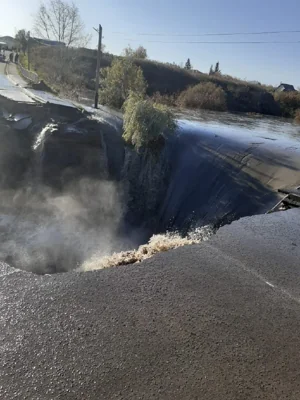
{"x": 216, "y": 321}
{"x": 12, "y": 89}
{"x": 4, "y": 83}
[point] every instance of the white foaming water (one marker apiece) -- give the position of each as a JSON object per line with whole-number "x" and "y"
{"x": 157, "y": 244}
{"x": 49, "y": 128}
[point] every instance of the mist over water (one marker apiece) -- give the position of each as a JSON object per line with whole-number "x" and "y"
{"x": 46, "y": 232}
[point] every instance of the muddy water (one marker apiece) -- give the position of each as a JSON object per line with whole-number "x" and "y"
{"x": 80, "y": 197}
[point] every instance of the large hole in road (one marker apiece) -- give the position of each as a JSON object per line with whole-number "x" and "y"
{"x": 75, "y": 197}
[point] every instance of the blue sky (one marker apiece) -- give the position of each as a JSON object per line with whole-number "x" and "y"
{"x": 268, "y": 63}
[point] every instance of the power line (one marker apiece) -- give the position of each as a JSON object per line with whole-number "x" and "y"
{"x": 207, "y": 34}
{"x": 207, "y": 42}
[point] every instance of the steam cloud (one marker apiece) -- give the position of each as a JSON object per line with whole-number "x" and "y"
{"x": 44, "y": 232}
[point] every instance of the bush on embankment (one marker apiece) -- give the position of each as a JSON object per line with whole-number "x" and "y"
{"x": 146, "y": 122}
{"x": 289, "y": 103}
{"x": 204, "y": 95}
{"x": 297, "y": 116}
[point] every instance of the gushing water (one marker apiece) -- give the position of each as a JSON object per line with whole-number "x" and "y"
{"x": 157, "y": 244}
{"x": 48, "y": 129}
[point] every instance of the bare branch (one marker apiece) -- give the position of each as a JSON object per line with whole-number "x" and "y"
{"x": 59, "y": 20}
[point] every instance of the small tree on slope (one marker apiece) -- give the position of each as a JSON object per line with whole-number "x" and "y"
{"x": 119, "y": 80}
{"x": 217, "y": 68}
{"x": 188, "y": 64}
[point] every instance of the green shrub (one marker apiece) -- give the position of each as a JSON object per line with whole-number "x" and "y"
{"x": 145, "y": 122}
{"x": 119, "y": 80}
{"x": 289, "y": 102}
{"x": 204, "y": 95}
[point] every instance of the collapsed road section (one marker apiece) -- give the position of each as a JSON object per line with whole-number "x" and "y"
{"x": 72, "y": 191}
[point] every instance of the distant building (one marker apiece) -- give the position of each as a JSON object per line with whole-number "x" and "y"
{"x": 8, "y": 42}
{"x": 46, "y": 42}
{"x": 284, "y": 87}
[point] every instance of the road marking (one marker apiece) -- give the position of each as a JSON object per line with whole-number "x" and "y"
{"x": 283, "y": 292}
{"x": 270, "y": 284}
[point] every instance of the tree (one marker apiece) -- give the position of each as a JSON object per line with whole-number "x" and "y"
{"x": 128, "y": 51}
{"x": 188, "y": 64}
{"x": 217, "y": 68}
{"x": 140, "y": 52}
{"x": 211, "y": 70}
{"x": 22, "y": 38}
{"x": 59, "y": 20}
{"x": 122, "y": 77}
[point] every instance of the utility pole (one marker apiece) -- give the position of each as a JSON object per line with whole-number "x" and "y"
{"x": 98, "y": 66}
{"x": 28, "y": 51}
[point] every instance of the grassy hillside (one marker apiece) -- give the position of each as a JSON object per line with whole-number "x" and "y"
{"x": 67, "y": 68}
{"x": 165, "y": 78}
{"x": 73, "y": 69}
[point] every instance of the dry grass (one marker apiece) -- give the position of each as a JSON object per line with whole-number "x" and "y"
{"x": 71, "y": 68}
{"x": 205, "y": 96}
{"x": 297, "y": 116}
{"x": 58, "y": 67}
{"x": 165, "y": 99}
{"x": 289, "y": 102}
{"x": 167, "y": 79}
{"x": 24, "y": 60}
